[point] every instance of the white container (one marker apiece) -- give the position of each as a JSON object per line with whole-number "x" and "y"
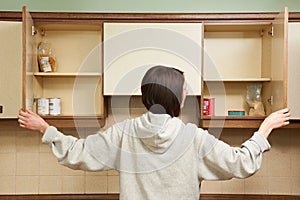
{"x": 54, "y": 106}
{"x": 43, "y": 106}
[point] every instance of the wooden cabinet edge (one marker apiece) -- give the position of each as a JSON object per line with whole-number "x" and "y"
{"x": 60, "y": 123}
{"x": 75, "y": 16}
{"x": 241, "y": 123}
{"x": 115, "y": 196}
{"x": 77, "y": 122}
{"x": 230, "y": 123}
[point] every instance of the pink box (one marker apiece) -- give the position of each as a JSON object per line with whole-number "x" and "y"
{"x": 209, "y": 106}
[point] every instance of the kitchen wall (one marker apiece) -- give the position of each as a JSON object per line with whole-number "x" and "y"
{"x": 28, "y": 167}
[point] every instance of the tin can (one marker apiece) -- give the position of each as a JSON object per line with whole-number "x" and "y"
{"x": 43, "y": 106}
{"x": 54, "y": 106}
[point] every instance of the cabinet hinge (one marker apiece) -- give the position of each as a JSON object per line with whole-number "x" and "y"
{"x": 271, "y": 32}
{"x": 270, "y": 100}
{"x": 33, "y": 31}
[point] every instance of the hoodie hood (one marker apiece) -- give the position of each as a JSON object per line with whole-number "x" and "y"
{"x": 157, "y": 131}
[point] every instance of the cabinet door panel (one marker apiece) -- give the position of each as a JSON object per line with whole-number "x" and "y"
{"x": 294, "y": 70}
{"x": 130, "y": 49}
{"x": 279, "y": 61}
{"x": 27, "y": 74}
{"x": 10, "y": 68}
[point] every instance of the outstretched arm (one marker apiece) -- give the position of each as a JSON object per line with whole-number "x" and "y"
{"x": 223, "y": 161}
{"x": 73, "y": 152}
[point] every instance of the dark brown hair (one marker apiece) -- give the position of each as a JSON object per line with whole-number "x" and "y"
{"x": 162, "y": 90}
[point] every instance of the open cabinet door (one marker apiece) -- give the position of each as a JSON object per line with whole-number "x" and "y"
{"x": 27, "y": 61}
{"x": 294, "y": 69}
{"x": 10, "y": 68}
{"x": 279, "y": 61}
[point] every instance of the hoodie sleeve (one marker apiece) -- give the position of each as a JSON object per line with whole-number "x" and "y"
{"x": 220, "y": 161}
{"x": 79, "y": 153}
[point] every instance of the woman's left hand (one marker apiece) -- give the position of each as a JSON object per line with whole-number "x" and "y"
{"x": 275, "y": 120}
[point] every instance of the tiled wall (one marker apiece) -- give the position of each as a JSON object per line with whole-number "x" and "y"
{"x": 28, "y": 167}
{"x": 280, "y": 171}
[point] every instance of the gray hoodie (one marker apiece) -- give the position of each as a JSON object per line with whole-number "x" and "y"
{"x": 158, "y": 157}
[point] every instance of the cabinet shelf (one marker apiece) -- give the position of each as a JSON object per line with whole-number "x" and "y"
{"x": 75, "y": 121}
{"x": 61, "y": 74}
{"x": 239, "y": 80}
{"x": 231, "y": 122}
{"x": 70, "y": 117}
{"x": 233, "y": 117}
{"x": 235, "y": 26}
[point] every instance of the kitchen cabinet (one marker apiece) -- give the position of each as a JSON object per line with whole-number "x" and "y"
{"x": 77, "y": 79}
{"x": 293, "y": 92}
{"x": 130, "y": 49}
{"x": 241, "y": 55}
{"x": 10, "y": 69}
{"x": 243, "y": 48}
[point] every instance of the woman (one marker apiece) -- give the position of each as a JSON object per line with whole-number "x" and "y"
{"x": 158, "y": 156}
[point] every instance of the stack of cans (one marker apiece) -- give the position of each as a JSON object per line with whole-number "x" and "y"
{"x": 49, "y": 106}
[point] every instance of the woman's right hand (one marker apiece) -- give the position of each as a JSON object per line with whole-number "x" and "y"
{"x": 275, "y": 120}
{"x": 32, "y": 121}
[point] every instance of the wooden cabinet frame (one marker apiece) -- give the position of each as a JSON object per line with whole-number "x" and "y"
{"x": 98, "y": 18}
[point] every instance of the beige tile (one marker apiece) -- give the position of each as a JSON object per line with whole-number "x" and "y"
{"x": 295, "y": 163}
{"x": 7, "y": 185}
{"x": 211, "y": 187}
{"x": 7, "y": 164}
{"x": 49, "y": 165}
{"x": 279, "y": 164}
{"x": 264, "y": 169}
{"x": 44, "y": 148}
{"x": 113, "y": 184}
{"x": 27, "y": 184}
{"x": 233, "y": 186}
{"x": 295, "y": 137}
{"x": 73, "y": 131}
{"x": 27, "y": 141}
{"x": 96, "y": 184}
{"x": 235, "y": 137}
{"x": 7, "y": 142}
{"x": 296, "y": 185}
{"x": 280, "y": 140}
{"x": 113, "y": 173}
{"x": 50, "y": 185}
{"x": 280, "y": 185}
{"x": 71, "y": 172}
{"x": 256, "y": 185}
{"x": 96, "y": 173}
{"x": 73, "y": 184}
{"x": 28, "y": 164}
